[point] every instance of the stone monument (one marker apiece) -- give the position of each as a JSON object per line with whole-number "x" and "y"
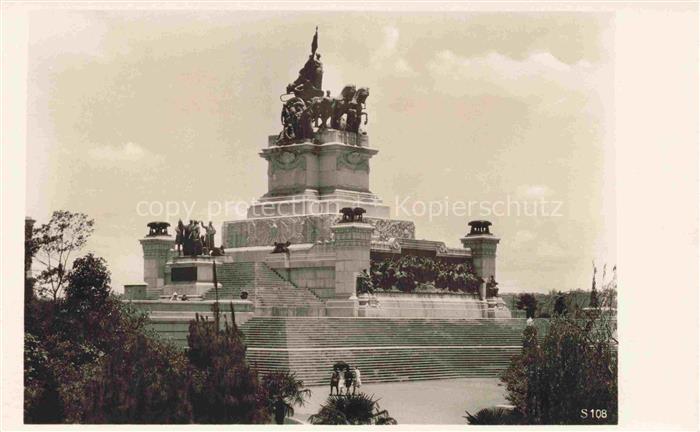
{"x": 318, "y": 164}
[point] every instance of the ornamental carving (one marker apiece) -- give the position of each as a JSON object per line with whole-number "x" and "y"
{"x": 306, "y": 229}
{"x": 353, "y": 160}
{"x": 286, "y": 160}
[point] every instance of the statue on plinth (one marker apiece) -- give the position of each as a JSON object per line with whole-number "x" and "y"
{"x": 208, "y": 238}
{"x": 310, "y": 80}
{"x": 179, "y": 237}
{"x": 306, "y": 107}
{"x": 192, "y": 244}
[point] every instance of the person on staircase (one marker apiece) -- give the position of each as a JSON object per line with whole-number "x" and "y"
{"x": 357, "y": 380}
{"x": 348, "y": 380}
{"x": 335, "y": 379}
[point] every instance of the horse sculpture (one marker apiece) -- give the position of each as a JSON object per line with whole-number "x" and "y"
{"x": 299, "y": 116}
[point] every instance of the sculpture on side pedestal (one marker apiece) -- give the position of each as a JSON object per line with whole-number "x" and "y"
{"x": 352, "y": 214}
{"x": 281, "y": 247}
{"x": 157, "y": 229}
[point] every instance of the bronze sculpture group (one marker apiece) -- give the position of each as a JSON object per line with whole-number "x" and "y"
{"x": 309, "y": 110}
{"x": 352, "y": 214}
{"x": 191, "y": 242}
{"x": 157, "y": 229}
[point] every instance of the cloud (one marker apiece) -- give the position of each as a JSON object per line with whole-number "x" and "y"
{"x": 391, "y": 39}
{"x": 532, "y": 191}
{"x": 127, "y": 152}
{"x": 540, "y": 76}
{"x": 387, "y": 55}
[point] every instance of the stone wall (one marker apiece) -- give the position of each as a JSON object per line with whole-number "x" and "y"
{"x": 304, "y": 229}
{"x": 400, "y": 305}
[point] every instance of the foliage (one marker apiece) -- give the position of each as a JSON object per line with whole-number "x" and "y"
{"x": 352, "y": 409}
{"x": 88, "y": 282}
{"x": 90, "y": 358}
{"x": 282, "y": 392}
{"x": 407, "y": 273}
{"x": 42, "y": 401}
{"x": 224, "y": 389}
{"x": 145, "y": 381}
{"x": 494, "y": 416}
{"x": 65, "y": 347}
{"x": 560, "y": 307}
{"x": 55, "y": 242}
{"x": 529, "y": 303}
{"x": 574, "y": 367}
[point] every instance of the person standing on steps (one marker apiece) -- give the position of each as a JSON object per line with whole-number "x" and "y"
{"x": 348, "y": 379}
{"x": 335, "y": 379}
{"x": 357, "y": 380}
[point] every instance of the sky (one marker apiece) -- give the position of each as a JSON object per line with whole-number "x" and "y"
{"x": 129, "y": 107}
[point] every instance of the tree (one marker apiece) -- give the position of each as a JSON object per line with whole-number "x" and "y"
{"x": 354, "y": 409}
{"x": 560, "y": 307}
{"x": 529, "y": 303}
{"x": 574, "y": 366}
{"x": 88, "y": 282}
{"x": 283, "y": 391}
{"x": 593, "y": 302}
{"x": 223, "y": 389}
{"x": 31, "y": 247}
{"x": 143, "y": 382}
{"x": 55, "y": 242}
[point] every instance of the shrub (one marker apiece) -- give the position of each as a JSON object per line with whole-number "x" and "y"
{"x": 574, "y": 367}
{"x": 354, "y": 409}
{"x": 224, "y": 389}
{"x": 282, "y": 392}
{"x": 145, "y": 381}
{"x": 494, "y": 416}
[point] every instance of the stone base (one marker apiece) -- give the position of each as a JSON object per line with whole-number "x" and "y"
{"x": 193, "y": 276}
{"x": 193, "y": 290}
{"x": 498, "y": 308}
{"x": 311, "y": 202}
{"x": 342, "y": 308}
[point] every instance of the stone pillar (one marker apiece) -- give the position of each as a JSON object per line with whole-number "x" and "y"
{"x": 483, "y": 246}
{"x": 352, "y": 244}
{"x": 156, "y": 252}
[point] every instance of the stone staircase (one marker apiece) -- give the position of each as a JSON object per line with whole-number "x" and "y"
{"x": 234, "y": 278}
{"x": 271, "y": 292}
{"x": 385, "y": 349}
{"x": 272, "y": 289}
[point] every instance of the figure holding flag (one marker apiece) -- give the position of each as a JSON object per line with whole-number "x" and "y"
{"x": 309, "y": 84}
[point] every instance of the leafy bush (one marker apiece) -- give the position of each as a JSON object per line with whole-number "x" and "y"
{"x": 224, "y": 389}
{"x": 282, "y": 392}
{"x": 353, "y": 409}
{"x": 529, "y": 303}
{"x": 494, "y": 416}
{"x": 145, "y": 381}
{"x": 89, "y": 358}
{"x": 574, "y": 367}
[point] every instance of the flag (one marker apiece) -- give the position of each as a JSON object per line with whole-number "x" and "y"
{"x": 314, "y": 42}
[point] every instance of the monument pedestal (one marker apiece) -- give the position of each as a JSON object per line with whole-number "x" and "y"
{"x": 309, "y": 183}
{"x": 193, "y": 276}
{"x": 156, "y": 252}
{"x": 319, "y": 176}
{"x": 483, "y": 246}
